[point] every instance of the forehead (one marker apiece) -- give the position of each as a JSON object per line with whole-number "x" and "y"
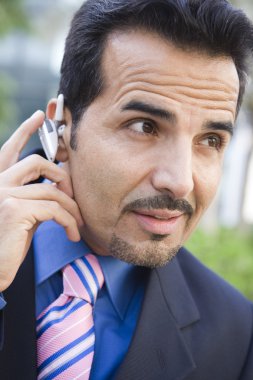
{"x": 141, "y": 63}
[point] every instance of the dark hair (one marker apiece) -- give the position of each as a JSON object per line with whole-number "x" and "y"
{"x": 212, "y": 26}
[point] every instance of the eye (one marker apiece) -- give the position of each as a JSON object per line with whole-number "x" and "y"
{"x": 213, "y": 141}
{"x": 143, "y": 127}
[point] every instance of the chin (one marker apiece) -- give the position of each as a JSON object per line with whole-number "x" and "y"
{"x": 152, "y": 253}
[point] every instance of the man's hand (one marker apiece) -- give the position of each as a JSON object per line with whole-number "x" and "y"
{"x": 22, "y": 208}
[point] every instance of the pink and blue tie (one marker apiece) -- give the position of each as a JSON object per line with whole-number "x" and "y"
{"x": 65, "y": 330}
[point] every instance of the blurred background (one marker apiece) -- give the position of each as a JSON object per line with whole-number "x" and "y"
{"x": 32, "y": 34}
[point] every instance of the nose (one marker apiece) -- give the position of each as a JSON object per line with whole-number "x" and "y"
{"x": 173, "y": 171}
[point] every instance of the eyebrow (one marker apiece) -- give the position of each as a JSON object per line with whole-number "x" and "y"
{"x": 220, "y": 126}
{"x": 150, "y": 109}
{"x": 171, "y": 117}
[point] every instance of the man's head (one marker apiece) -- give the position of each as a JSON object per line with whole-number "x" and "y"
{"x": 153, "y": 89}
{"x": 208, "y": 26}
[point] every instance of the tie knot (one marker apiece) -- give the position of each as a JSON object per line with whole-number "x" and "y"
{"x": 83, "y": 278}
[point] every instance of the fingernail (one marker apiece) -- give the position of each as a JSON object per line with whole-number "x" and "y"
{"x": 36, "y": 114}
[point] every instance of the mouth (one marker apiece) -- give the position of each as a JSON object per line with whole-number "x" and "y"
{"x": 160, "y": 222}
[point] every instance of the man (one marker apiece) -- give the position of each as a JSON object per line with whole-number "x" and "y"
{"x": 152, "y": 90}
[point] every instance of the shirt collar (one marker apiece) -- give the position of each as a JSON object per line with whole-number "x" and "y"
{"x": 53, "y": 250}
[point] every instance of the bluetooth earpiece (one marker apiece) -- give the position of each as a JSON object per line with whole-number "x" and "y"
{"x": 51, "y": 130}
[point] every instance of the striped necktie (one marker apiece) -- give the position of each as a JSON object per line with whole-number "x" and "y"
{"x": 65, "y": 330}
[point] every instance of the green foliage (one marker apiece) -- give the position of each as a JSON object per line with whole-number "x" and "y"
{"x": 229, "y": 253}
{"x": 7, "y": 108}
{"x": 11, "y": 16}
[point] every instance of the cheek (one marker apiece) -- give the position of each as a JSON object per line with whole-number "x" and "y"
{"x": 207, "y": 179}
{"x": 102, "y": 179}
{"x": 206, "y": 182}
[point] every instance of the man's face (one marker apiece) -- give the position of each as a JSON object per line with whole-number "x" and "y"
{"x": 150, "y": 148}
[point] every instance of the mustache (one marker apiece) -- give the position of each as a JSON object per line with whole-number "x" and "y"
{"x": 160, "y": 202}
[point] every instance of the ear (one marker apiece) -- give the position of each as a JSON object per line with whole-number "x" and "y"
{"x": 64, "y": 141}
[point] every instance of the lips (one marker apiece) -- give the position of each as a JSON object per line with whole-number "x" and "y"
{"x": 161, "y": 222}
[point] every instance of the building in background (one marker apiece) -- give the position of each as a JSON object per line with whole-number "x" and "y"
{"x": 235, "y": 202}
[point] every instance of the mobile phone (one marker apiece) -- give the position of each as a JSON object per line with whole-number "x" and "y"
{"x": 51, "y": 130}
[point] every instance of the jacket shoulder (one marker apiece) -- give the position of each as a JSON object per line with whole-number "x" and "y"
{"x": 203, "y": 282}
{"x": 225, "y": 331}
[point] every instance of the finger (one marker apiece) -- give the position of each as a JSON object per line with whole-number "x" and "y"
{"x": 26, "y": 215}
{"x": 11, "y": 150}
{"x": 45, "y": 192}
{"x": 31, "y": 168}
{"x": 50, "y": 210}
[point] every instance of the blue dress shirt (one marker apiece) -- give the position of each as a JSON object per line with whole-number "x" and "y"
{"x": 118, "y": 304}
{"x": 2, "y": 305}
{"x": 2, "y": 302}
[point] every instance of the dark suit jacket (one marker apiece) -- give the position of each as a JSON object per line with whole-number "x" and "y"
{"x": 192, "y": 326}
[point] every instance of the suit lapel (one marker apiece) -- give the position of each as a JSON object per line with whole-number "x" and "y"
{"x": 158, "y": 349}
{"x": 18, "y": 358}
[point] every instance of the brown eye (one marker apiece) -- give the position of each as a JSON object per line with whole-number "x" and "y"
{"x": 213, "y": 141}
{"x": 142, "y": 127}
{"x": 147, "y": 128}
